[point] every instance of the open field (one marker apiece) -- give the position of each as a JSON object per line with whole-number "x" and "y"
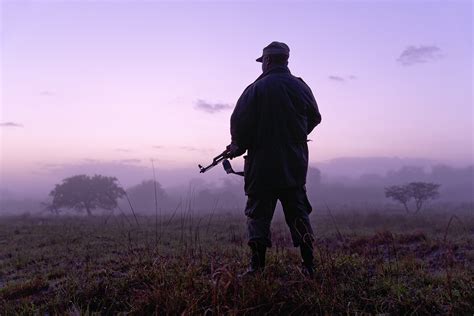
{"x": 189, "y": 263}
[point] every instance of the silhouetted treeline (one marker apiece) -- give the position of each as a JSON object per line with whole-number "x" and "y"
{"x": 457, "y": 186}
{"x": 197, "y": 196}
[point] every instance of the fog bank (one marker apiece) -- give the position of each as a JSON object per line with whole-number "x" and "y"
{"x": 345, "y": 181}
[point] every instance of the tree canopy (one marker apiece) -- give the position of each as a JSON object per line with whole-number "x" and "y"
{"x": 143, "y": 196}
{"x": 82, "y": 192}
{"x": 419, "y": 191}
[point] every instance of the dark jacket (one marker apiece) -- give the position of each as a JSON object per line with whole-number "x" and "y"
{"x": 272, "y": 120}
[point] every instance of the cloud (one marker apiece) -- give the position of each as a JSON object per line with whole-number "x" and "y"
{"x": 123, "y": 150}
{"x": 130, "y": 161}
{"x": 189, "y": 148}
{"x": 211, "y": 108}
{"x": 46, "y": 93}
{"x": 185, "y": 148}
{"x": 196, "y": 149}
{"x": 50, "y": 166}
{"x": 91, "y": 160}
{"x": 341, "y": 79}
{"x": 336, "y": 78}
{"x": 418, "y": 55}
{"x": 10, "y": 124}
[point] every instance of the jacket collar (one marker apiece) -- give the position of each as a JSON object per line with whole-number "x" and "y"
{"x": 274, "y": 70}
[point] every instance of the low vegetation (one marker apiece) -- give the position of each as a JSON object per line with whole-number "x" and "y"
{"x": 189, "y": 263}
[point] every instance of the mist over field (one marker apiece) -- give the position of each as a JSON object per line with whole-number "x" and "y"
{"x": 106, "y": 97}
{"x": 356, "y": 182}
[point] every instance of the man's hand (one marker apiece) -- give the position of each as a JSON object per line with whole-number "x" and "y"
{"x": 233, "y": 150}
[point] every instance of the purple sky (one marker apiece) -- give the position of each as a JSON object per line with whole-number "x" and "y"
{"x": 127, "y": 81}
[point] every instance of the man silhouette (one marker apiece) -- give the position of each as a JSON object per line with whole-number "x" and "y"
{"x": 271, "y": 121}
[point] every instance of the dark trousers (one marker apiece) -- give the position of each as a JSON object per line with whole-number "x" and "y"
{"x": 261, "y": 206}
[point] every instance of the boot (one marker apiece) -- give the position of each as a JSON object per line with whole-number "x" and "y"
{"x": 257, "y": 259}
{"x": 308, "y": 259}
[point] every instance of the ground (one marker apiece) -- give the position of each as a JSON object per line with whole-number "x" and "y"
{"x": 188, "y": 263}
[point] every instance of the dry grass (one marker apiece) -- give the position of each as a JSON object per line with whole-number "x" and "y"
{"x": 380, "y": 264}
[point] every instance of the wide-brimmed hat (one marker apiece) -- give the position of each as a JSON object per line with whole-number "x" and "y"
{"x": 275, "y": 48}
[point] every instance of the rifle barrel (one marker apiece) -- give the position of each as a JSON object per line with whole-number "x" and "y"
{"x": 214, "y": 163}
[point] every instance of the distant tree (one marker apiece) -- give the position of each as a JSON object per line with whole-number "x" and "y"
{"x": 314, "y": 174}
{"x": 419, "y": 191}
{"x": 407, "y": 174}
{"x": 400, "y": 193}
{"x": 49, "y": 207}
{"x": 143, "y": 196}
{"x": 422, "y": 192}
{"x": 82, "y": 192}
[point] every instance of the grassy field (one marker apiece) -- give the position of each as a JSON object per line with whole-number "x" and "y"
{"x": 372, "y": 263}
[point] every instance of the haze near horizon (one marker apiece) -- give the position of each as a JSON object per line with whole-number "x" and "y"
{"x": 121, "y": 83}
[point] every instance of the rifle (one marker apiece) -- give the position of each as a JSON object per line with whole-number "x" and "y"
{"x": 215, "y": 161}
{"x": 225, "y": 163}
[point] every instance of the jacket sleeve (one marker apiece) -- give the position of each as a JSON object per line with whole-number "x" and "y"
{"x": 312, "y": 111}
{"x": 243, "y": 119}
{"x": 314, "y": 117}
